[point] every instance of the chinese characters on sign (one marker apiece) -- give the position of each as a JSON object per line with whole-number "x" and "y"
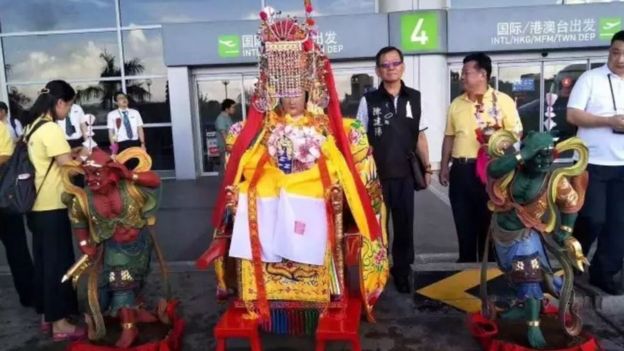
{"x": 328, "y": 40}
{"x": 545, "y": 32}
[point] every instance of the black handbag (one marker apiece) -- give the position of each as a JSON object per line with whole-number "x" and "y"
{"x": 418, "y": 171}
{"x": 418, "y": 168}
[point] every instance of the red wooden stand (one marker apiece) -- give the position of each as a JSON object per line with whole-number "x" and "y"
{"x": 171, "y": 342}
{"x": 232, "y": 325}
{"x": 486, "y": 332}
{"x": 340, "y": 325}
{"x": 335, "y": 324}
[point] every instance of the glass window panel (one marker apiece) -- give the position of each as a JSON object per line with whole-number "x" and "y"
{"x": 93, "y": 97}
{"x": 559, "y": 78}
{"x": 522, "y": 83}
{"x": 249, "y": 86}
{"x": 324, "y": 7}
{"x": 351, "y": 87}
{"x": 138, "y": 12}
{"x": 21, "y": 98}
{"x": 21, "y": 16}
{"x": 595, "y": 63}
{"x": 457, "y": 87}
{"x": 210, "y": 95}
{"x": 151, "y": 98}
{"x": 97, "y": 98}
{"x": 159, "y": 144}
{"x": 143, "y": 52}
{"x": 61, "y": 56}
{"x": 465, "y": 4}
{"x": 158, "y": 141}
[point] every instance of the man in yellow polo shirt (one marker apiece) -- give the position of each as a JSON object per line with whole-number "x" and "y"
{"x": 13, "y": 234}
{"x": 480, "y": 108}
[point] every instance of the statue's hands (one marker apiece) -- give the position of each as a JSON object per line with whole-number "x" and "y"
{"x": 533, "y": 143}
{"x": 87, "y": 249}
{"x": 123, "y": 171}
{"x": 561, "y": 236}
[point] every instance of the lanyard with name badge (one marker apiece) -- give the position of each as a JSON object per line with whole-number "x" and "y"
{"x": 615, "y": 109}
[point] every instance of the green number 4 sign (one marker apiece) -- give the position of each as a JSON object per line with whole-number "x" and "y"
{"x": 419, "y": 31}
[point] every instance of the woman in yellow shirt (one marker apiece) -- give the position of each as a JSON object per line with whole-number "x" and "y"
{"x": 49, "y": 223}
{"x": 12, "y": 232}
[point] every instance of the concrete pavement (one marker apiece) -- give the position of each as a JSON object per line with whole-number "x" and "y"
{"x": 403, "y": 323}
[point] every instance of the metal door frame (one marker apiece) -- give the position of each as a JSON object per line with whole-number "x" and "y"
{"x": 198, "y": 77}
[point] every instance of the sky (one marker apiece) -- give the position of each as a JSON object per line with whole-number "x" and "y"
{"x": 76, "y": 56}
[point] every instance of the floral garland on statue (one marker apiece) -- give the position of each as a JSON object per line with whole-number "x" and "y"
{"x": 295, "y": 148}
{"x": 483, "y": 132}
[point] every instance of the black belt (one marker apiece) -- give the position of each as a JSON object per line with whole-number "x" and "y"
{"x": 463, "y": 160}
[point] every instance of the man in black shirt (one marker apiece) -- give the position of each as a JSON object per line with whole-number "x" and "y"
{"x": 392, "y": 118}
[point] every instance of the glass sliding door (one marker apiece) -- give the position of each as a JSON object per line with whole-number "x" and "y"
{"x": 210, "y": 93}
{"x": 522, "y": 82}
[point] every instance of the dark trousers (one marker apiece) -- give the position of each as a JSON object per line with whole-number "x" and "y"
{"x": 602, "y": 217}
{"x": 131, "y": 164}
{"x": 54, "y": 254}
{"x": 399, "y": 199}
{"x": 470, "y": 212}
{"x": 13, "y": 236}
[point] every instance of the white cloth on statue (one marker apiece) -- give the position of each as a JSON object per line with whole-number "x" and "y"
{"x": 290, "y": 227}
{"x": 301, "y": 229}
{"x": 240, "y": 246}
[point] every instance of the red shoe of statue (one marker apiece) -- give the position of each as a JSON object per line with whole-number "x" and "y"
{"x": 129, "y": 331}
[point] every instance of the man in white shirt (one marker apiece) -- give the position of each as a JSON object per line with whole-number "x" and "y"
{"x": 596, "y": 106}
{"x": 125, "y": 126}
{"x": 72, "y": 126}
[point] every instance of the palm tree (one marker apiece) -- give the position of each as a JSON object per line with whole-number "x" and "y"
{"x": 17, "y": 102}
{"x": 105, "y": 90}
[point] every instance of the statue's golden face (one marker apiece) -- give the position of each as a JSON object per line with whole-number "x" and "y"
{"x": 294, "y": 106}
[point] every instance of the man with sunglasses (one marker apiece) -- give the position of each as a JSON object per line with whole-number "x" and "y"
{"x": 392, "y": 118}
{"x": 472, "y": 117}
{"x": 596, "y": 106}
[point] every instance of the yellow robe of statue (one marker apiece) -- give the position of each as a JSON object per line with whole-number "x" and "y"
{"x": 308, "y": 273}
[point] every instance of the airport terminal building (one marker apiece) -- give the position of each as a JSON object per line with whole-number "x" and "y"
{"x": 181, "y": 58}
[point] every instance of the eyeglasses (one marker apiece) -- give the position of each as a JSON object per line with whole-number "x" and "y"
{"x": 388, "y": 65}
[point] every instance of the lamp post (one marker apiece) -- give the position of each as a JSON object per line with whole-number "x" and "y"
{"x": 225, "y": 84}
{"x": 149, "y": 89}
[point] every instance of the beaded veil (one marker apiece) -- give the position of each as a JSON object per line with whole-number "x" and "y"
{"x": 291, "y": 63}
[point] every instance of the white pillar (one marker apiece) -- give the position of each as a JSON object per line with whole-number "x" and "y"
{"x": 4, "y": 94}
{"x": 182, "y": 122}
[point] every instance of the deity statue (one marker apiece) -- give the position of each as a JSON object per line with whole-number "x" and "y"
{"x": 110, "y": 217}
{"x": 535, "y": 205}
{"x": 297, "y": 224}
